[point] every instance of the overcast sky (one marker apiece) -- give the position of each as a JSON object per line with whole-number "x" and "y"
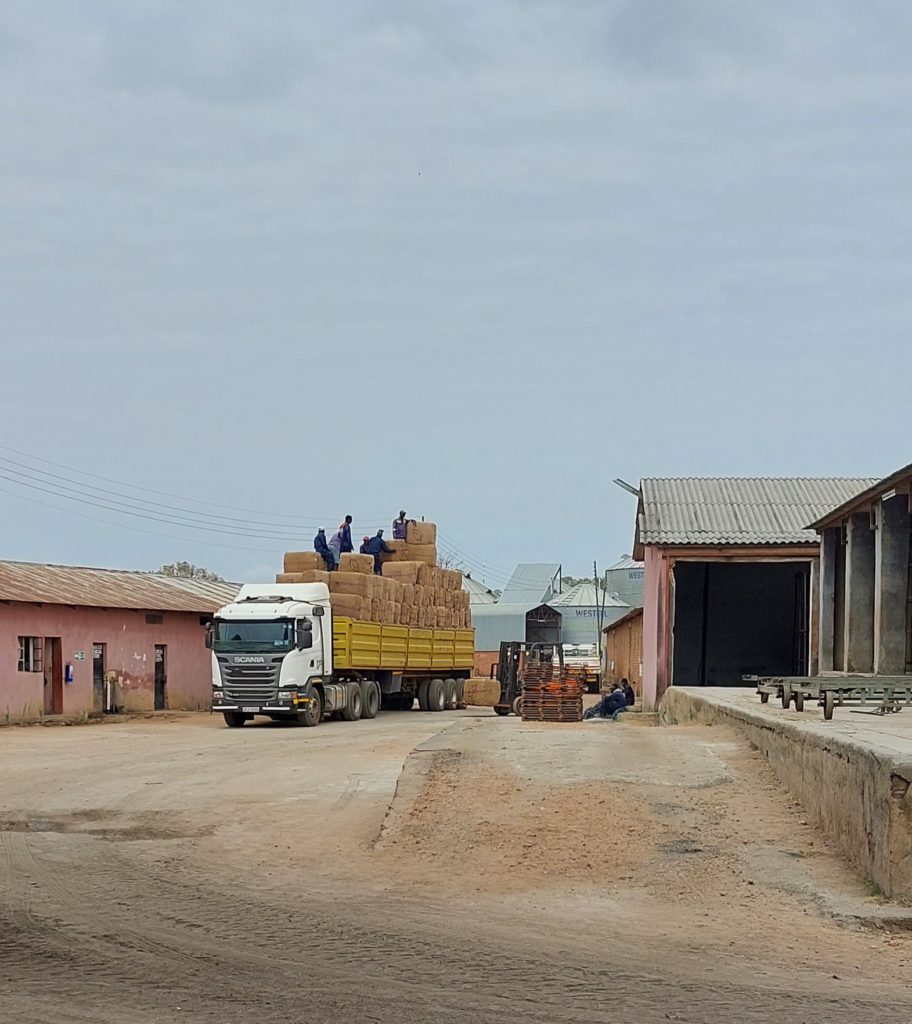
{"x": 471, "y": 259}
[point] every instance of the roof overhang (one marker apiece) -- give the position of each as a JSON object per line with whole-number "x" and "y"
{"x": 899, "y": 482}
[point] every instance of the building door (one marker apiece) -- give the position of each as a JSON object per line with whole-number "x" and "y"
{"x": 161, "y": 678}
{"x": 98, "y": 676}
{"x": 53, "y": 676}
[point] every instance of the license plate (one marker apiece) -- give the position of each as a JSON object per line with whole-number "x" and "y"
{"x": 252, "y": 711}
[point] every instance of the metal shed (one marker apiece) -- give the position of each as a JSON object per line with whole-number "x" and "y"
{"x": 580, "y": 609}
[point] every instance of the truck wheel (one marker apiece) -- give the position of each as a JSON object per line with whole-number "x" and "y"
{"x": 352, "y": 710}
{"x": 450, "y": 692}
{"x": 460, "y": 693}
{"x": 436, "y": 695}
{"x": 423, "y": 687}
{"x": 234, "y": 719}
{"x": 370, "y": 699}
{"x": 312, "y": 714}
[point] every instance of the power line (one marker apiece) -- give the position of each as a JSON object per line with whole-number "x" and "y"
{"x": 133, "y": 529}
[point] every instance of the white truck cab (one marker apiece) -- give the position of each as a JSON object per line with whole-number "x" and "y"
{"x": 270, "y": 647}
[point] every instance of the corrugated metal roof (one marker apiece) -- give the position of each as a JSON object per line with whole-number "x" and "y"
{"x": 863, "y": 498}
{"x": 497, "y": 622}
{"x": 531, "y": 582}
{"x": 478, "y": 592}
{"x": 585, "y": 595}
{"x": 738, "y": 510}
{"x": 110, "y": 588}
{"x": 625, "y": 562}
{"x": 632, "y": 614}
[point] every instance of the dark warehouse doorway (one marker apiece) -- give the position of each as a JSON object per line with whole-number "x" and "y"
{"x": 733, "y": 619}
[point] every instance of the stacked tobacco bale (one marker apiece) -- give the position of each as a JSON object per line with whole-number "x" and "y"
{"x": 412, "y": 591}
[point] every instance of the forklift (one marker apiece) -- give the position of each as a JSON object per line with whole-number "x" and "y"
{"x": 516, "y": 656}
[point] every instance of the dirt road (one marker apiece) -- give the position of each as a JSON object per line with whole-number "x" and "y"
{"x": 451, "y": 867}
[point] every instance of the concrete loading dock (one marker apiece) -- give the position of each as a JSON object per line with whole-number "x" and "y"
{"x": 852, "y": 776}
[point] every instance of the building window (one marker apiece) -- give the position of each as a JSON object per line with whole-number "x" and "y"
{"x": 154, "y": 620}
{"x": 29, "y": 653}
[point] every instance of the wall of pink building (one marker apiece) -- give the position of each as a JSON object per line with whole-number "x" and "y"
{"x": 655, "y": 655}
{"x": 130, "y": 655}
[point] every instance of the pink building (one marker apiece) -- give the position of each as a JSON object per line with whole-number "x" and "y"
{"x": 731, "y": 569}
{"x": 80, "y": 641}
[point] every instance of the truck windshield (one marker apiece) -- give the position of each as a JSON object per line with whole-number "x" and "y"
{"x": 235, "y": 635}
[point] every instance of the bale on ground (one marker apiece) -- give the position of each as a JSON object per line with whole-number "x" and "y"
{"x": 350, "y": 562}
{"x": 482, "y": 692}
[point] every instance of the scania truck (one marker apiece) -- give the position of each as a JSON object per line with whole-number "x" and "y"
{"x": 278, "y": 650}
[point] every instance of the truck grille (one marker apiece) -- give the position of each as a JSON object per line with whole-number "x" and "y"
{"x": 252, "y": 684}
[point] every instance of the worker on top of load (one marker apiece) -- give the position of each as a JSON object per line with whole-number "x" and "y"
{"x": 322, "y": 548}
{"x": 365, "y": 540}
{"x": 377, "y": 546}
{"x": 400, "y": 527}
{"x": 345, "y": 534}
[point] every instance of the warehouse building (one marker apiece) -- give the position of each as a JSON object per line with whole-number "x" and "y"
{"x": 584, "y": 610}
{"x": 478, "y": 592}
{"x": 730, "y": 577}
{"x": 522, "y": 613}
{"x": 624, "y": 579}
{"x": 79, "y": 641}
{"x": 622, "y": 651}
{"x": 866, "y": 580}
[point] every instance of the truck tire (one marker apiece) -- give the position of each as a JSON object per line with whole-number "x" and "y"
{"x": 436, "y": 695}
{"x": 460, "y": 693}
{"x": 370, "y": 699}
{"x": 312, "y": 714}
{"x": 234, "y": 719}
{"x": 423, "y": 695}
{"x": 450, "y": 694}
{"x": 352, "y": 710}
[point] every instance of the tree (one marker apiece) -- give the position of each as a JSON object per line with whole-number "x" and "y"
{"x": 448, "y": 562}
{"x": 187, "y": 570}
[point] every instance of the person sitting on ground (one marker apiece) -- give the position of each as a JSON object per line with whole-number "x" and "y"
{"x": 322, "y": 549}
{"x": 610, "y": 706}
{"x": 629, "y": 692}
{"x": 363, "y": 549}
{"x": 377, "y": 546}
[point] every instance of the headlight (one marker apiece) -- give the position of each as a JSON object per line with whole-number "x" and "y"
{"x": 284, "y": 694}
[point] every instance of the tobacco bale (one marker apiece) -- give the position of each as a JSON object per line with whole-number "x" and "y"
{"x": 350, "y": 562}
{"x": 426, "y": 553}
{"x": 398, "y": 552}
{"x": 421, "y": 533}
{"x": 349, "y": 605}
{"x": 355, "y": 583}
{"x": 404, "y": 572}
{"x": 299, "y": 561}
{"x": 482, "y": 692}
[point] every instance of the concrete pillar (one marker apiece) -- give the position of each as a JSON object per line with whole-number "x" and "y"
{"x": 891, "y": 581}
{"x": 859, "y": 595}
{"x": 829, "y": 552}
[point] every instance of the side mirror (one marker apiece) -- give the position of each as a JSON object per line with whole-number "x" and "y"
{"x": 318, "y": 611}
{"x": 304, "y": 636}
{"x": 210, "y": 638}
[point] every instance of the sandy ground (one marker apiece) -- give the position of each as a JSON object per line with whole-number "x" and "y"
{"x": 451, "y": 867}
